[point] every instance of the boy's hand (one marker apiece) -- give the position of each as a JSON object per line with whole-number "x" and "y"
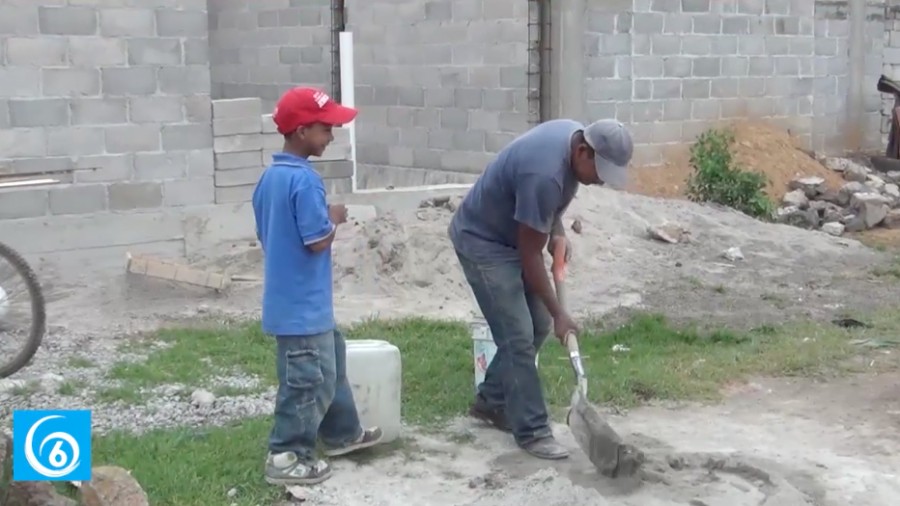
{"x": 553, "y": 246}
{"x": 337, "y": 213}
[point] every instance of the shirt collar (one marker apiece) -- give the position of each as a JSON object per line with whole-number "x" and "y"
{"x": 291, "y": 160}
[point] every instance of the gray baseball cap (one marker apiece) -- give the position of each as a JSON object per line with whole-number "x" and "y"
{"x": 613, "y": 148}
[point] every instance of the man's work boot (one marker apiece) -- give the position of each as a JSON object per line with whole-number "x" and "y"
{"x": 494, "y": 417}
{"x": 546, "y": 448}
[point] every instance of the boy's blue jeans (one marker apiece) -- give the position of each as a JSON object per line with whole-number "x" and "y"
{"x": 520, "y": 323}
{"x": 314, "y": 399}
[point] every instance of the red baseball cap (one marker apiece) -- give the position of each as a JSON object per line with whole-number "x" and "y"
{"x": 304, "y": 106}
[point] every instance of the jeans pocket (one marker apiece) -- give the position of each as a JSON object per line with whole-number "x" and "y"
{"x": 303, "y": 370}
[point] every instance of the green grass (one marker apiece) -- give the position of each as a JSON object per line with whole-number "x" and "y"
{"x": 663, "y": 362}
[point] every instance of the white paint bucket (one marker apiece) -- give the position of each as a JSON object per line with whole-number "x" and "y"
{"x": 484, "y": 349}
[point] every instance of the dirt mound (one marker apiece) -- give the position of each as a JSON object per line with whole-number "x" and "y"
{"x": 758, "y": 146}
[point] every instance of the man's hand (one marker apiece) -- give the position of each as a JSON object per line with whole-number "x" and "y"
{"x": 563, "y": 325}
{"x": 337, "y": 213}
{"x": 553, "y": 244}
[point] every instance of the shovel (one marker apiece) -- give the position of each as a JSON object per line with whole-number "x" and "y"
{"x": 603, "y": 446}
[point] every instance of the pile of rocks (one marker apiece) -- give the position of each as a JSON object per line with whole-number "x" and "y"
{"x": 867, "y": 199}
{"x": 109, "y": 486}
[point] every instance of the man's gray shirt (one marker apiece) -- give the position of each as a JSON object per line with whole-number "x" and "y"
{"x": 530, "y": 181}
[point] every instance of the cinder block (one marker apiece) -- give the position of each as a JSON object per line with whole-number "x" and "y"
{"x": 19, "y": 82}
{"x": 78, "y": 199}
{"x": 91, "y": 52}
{"x": 126, "y": 22}
{"x": 695, "y": 5}
{"x": 268, "y": 126}
{"x": 237, "y": 143}
{"x": 132, "y": 138}
{"x": 695, "y": 88}
{"x": 75, "y": 141}
{"x": 181, "y": 23}
{"x": 156, "y": 109}
{"x": 240, "y": 160}
{"x": 234, "y": 194}
{"x": 237, "y": 108}
{"x": 68, "y": 82}
{"x": 707, "y": 67}
{"x": 334, "y": 169}
{"x": 189, "y": 192}
{"x": 159, "y": 166}
{"x": 707, "y": 24}
{"x": 36, "y": 52}
{"x": 44, "y": 165}
{"x": 18, "y": 203}
{"x": 238, "y": 177}
{"x": 154, "y": 51}
{"x": 129, "y": 81}
{"x": 234, "y": 126}
{"x": 751, "y": 6}
{"x": 67, "y": 20}
{"x": 198, "y": 109}
{"x": 200, "y": 163}
{"x": 18, "y": 20}
{"x": 125, "y": 196}
{"x": 186, "y": 137}
{"x": 103, "y": 168}
{"x": 196, "y": 51}
{"x": 23, "y": 142}
{"x": 99, "y": 111}
{"x": 187, "y": 80}
{"x": 39, "y": 112}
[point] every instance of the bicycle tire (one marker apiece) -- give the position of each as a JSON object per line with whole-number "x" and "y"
{"x": 38, "y": 311}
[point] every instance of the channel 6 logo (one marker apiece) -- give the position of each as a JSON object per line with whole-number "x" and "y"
{"x": 51, "y": 445}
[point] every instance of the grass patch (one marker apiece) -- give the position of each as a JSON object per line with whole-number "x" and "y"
{"x": 71, "y": 387}
{"x": 663, "y": 362}
{"x": 79, "y": 362}
{"x": 891, "y": 270}
{"x": 130, "y": 395}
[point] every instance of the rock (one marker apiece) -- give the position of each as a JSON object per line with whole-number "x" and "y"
{"x": 855, "y": 172}
{"x": 803, "y": 218}
{"x": 9, "y": 385}
{"x": 835, "y": 164}
{"x": 202, "y": 399}
{"x": 577, "y": 226}
{"x": 875, "y": 182}
{"x": 796, "y": 198}
{"x": 871, "y": 207}
{"x": 853, "y": 223}
{"x": 232, "y": 493}
{"x": 848, "y": 190}
{"x": 112, "y": 486}
{"x": 892, "y": 176}
{"x": 833, "y": 228}
{"x": 733, "y": 254}
{"x": 669, "y": 232}
{"x": 891, "y": 191}
{"x": 832, "y": 196}
{"x": 36, "y": 493}
{"x": 811, "y": 186}
{"x": 832, "y": 213}
{"x": 50, "y": 380}
{"x": 892, "y": 220}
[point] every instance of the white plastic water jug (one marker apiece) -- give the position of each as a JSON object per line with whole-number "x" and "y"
{"x": 484, "y": 349}
{"x": 373, "y": 369}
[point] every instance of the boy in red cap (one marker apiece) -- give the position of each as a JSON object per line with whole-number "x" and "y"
{"x": 296, "y": 227}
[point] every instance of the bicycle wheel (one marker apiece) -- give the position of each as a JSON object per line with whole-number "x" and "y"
{"x": 23, "y": 316}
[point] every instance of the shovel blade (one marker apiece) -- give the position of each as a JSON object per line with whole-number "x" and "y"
{"x": 600, "y": 442}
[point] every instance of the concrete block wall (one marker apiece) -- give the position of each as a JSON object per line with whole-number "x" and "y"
{"x": 244, "y": 142}
{"x": 112, "y": 100}
{"x": 442, "y": 85}
{"x": 891, "y": 61}
{"x": 259, "y": 48}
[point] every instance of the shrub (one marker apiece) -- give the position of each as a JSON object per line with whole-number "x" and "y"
{"x": 716, "y": 177}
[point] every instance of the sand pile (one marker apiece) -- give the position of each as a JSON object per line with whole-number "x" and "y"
{"x": 758, "y": 146}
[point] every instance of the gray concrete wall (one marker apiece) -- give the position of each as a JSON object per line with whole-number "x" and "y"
{"x": 113, "y": 101}
{"x": 442, "y": 85}
{"x": 260, "y": 48}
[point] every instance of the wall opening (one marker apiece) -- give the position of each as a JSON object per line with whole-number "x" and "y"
{"x": 338, "y": 25}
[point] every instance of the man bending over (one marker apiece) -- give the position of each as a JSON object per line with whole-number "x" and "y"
{"x": 499, "y": 233}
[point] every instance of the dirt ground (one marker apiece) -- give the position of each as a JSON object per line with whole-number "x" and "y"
{"x": 772, "y": 443}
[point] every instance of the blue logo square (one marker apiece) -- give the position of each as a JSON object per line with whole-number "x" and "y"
{"x": 51, "y": 445}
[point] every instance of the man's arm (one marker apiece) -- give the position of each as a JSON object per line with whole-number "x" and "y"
{"x": 311, "y": 215}
{"x": 537, "y": 199}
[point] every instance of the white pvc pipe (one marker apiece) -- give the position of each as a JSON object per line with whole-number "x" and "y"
{"x": 348, "y": 93}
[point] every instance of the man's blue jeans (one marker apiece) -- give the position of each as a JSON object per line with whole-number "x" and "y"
{"x": 520, "y": 323}
{"x": 314, "y": 399}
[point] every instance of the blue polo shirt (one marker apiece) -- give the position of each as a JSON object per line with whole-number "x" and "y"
{"x": 291, "y": 213}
